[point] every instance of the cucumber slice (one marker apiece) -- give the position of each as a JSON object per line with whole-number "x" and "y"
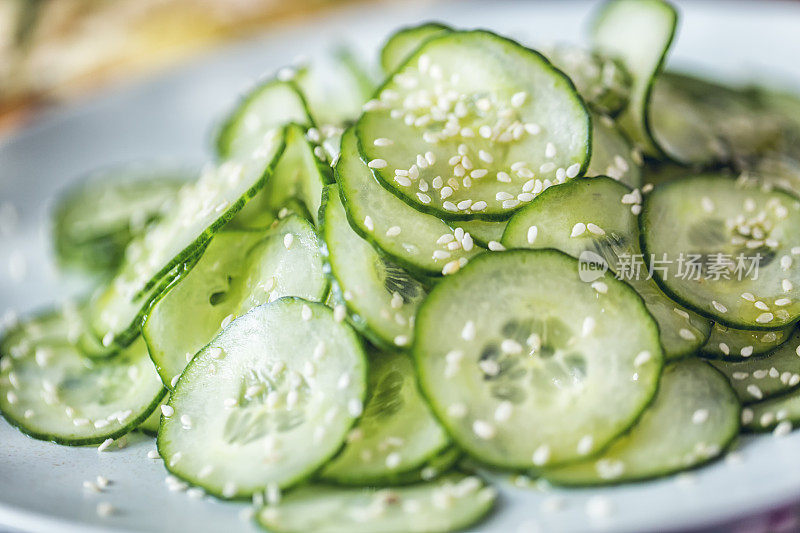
{"x": 298, "y": 177}
{"x": 451, "y": 503}
{"x": 266, "y": 107}
{"x": 603, "y": 82}
{"x": 758, "y": 378}
{"x": 516, "y": 344}
{"x": 165, "y": 252}
{"x": 397, "y": 433}
{"x": 738, "y": 344}
{"x": 96, "y": 218}
{"x": 151, "y": 423}
{"x": 50, "y": 391}
{"x": 536, "y": 129}
{"x": 559, "y": 218}
{"x": 267, "y": 402}
{"x": 380, "y": 296}
{"x": 700, "y": 122}
{"x": 613, "y": 155}
{"x": 405, "y": 41}
{"x": 725, "y": 227}
{"x": 238, "y": 271}
{"x": 639, "y": 34}
{"x": 693, "y": 418}
{"x": 482, "y": 231}
{"x": 783, "y": 411}
{"x": 415, "y": 240}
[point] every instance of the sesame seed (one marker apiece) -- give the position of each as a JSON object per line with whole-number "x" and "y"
{"x": 541, "y": 455}
{"x": 782, "y": 429}
{"x": 478, "y": 206}
{"x": 588, "y": 326}
{"x": 377, "y": 163}
{"x": 457, "y": 410}
{"x": 167, "y": 411}
{"x": 636, "y": 209}
{"x": 288, "y": 239}
{"x": 787, "y": 285}
{"x": 186, "y": 421}
{"x": 755, "y": 391}
{"x": 496, "y": 246}
{"x": 483, "y": 429}
{"x": 339, "y": 312}
{"x": 747, "y": 351}
{"x": 153, "y": 454}
{"x": 503, "y": 411}
{"x": 573, "y": 170}
{"x": 503, "y": 177}
{"x": 578, "y": 229}
{"x": 550, "y": 150}
{"x": 105, "y": 509}
{"x": 467, "y": 242}
{"x": 533, "y": 232}
{"x": 707, "y": 204}
{"x": 761, "y": 305}
{"x": 355, "y": 407}
{"x": 594, "y": 228}
{"x": 402, "y": 180}
{"x": 525, "y": 197}
{"x": 305, "y": 312}
{"x": 763, "y": 318}
{"x": 401, "y": 340}
{"x": 699, "y": 416}
{"x": 518, "y": 99}
{"x": 642, "y": 358}
{"x": 748, "y": 296}
{"x": 687, "y": 334}
{"x": 105, "y": 444}
{"x": 600, "y": 287}
{"x": 464, "y": 204}
{"x": 719, "y": 307}
{"x": 585, "y": 444}
{"x": 468, "y": 333}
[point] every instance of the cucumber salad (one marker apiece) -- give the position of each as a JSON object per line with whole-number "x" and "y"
{"x": 567, "y": 262}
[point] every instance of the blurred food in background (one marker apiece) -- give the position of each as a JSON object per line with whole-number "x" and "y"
{"x": 54, "y": 50}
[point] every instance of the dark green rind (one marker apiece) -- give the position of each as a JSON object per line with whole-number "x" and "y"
{"x": 403, "y": 42}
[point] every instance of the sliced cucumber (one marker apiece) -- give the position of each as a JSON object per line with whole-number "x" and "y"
{"x": 415, "y": 240}
{"x": 405, "y": 41}
{"x": 639, "y": 34}
{"x": 447, "y": 504}
{"x": 151, "y": 423}
{"x": 165, "y": 252}
{"x": 725, "y": 229}
{"x": 51, "y": 391}
{"x": 299, "y": 177}
{"x": 268, "y": 106}
{"x": 380, "y": 296}
{"x": 267, "y": 402}
{"x": 763, "y": 377}
{"x": 613, "y": 155}
{"x": 516, "y": 344}
{"x": 783, "y": 411}
{"x": 559, "y": 219}
{"x": 95, "y": 219}
{"x": 603, "y": 83}
{"x": 238, "y": 271}
{"x": 737, "y": 344}
{"x": 397, "y": 433}
{"x": 494, "y": 120}
{"x": 693, "y": 418}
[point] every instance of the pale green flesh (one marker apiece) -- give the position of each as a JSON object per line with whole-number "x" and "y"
{"x": 612, "y": 154}
{"x": 51, "y": 391}
{"x": 403, "y": 42}
{"x": 368, "y": 281}
{"x": 766, "y": 415}
{"x": 490, "y": 71}
{"x": 765, "y": 376}
{"x": 268, "y": 438}
{"x": 607, "y": 204}
{"x": 595, "y": 379}
{"x": 267, "y": 107}
{"x": 238, "y": 271}
{"x": 298, "y": 177}
{"x": 95, "y": 219}
{"x": 693, "y": 418}
{"x": 447, "y": 504}
{"x": 734, "y": 227}
{"x": 377, "y": 214}
{"x": 153, "y": 260}
{"x": 397, "y": 432}
{"x": 638, "y": 33}
{"x": 738, "y": 344}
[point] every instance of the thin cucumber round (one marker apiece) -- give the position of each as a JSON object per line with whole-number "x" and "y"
{"x": 603, "y": 82}
{"x": 471, "y": 125}
{"x": 725, "y": 249}
{"x": 51, "y": 391}
{"x": 738, "y": 344}
{"x": 298, "y": 178}
{"x": 613, "y": 155}
{"x": 95, "y": 219}
{"x": 450, "y": 503}
{"x": 267, "y": 402}
{"x": 405, "y": 41}
{"x": 238, "y": 271}
{"x": 396, "y": 434}
{"x": 639, "y": 34}
{"x": 591, "y": 219}
{"x": 379, "y": 295}
{"x": 692, "y": 420}
{"x": 783, "y": 411}
{"x": 268, "y": 106}
{"x": 763, "y": 377}
{"x": 415, "y": 240}
{"x": 165, "y": 252}
{"x": 526, "y": 365}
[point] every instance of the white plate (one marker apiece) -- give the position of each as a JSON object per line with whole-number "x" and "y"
{"x": 170, "y": 118}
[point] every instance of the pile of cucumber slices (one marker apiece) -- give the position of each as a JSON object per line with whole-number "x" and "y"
{"x": 569, "y": 264}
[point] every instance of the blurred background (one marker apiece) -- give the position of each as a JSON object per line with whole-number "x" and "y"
{"x": 54, "y": 51}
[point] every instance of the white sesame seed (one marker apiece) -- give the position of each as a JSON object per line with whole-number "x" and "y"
{"x": 533, "y": 232}
{"x": 483, "y": 429}
{"x": 707, "y": 204}
{"x": 468, "y": 332}
{"x": 288, "y": 239}
{"x": 496, "y": 246}
{"x": 457, "y": 410}
{"x": 541, "y": 455}
{"x": 700, "y": 416}
{"x": 594, "y": 228}
{"x": 377, "y": 163}
{"x": 550, "y": 150}
{"x": 105, "y": 509}
{"x": 589, "y": 324}
{"x": 355, "y": 407}
{"x": 464, "y": 204}
{"x": 642, "y": 358}
{"x": 782, "y": 429}
{"x": 763, "y": 318}
{"x": 518, "y": 99}
{"x": 478, "y": 206}
{"x": 687, "y": 334}
{"x": 382, "y": 141}
{"x": 339, "y": 312}
{"x": 636, "y": 209}
{"x": 719, "y": 307}
{"x": 105, "y": 444}
{"x": 467, "y": 242}
{"x": 401, "y": 340}
{"x": 174, "y": 380}
{"x": 503, "y": 411}
{"x": 755, "y": 391}
{"x": 153, "y": 454}
{"x": 503, "y": 177}
{"x": 167, "y": 411}
{"x": 573, "y": 170}
{"x": 585, "y": 444}
{"x": 747, "y": 351}
{"x": 186, "y": 421}
{"x": 578, "y": 229}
